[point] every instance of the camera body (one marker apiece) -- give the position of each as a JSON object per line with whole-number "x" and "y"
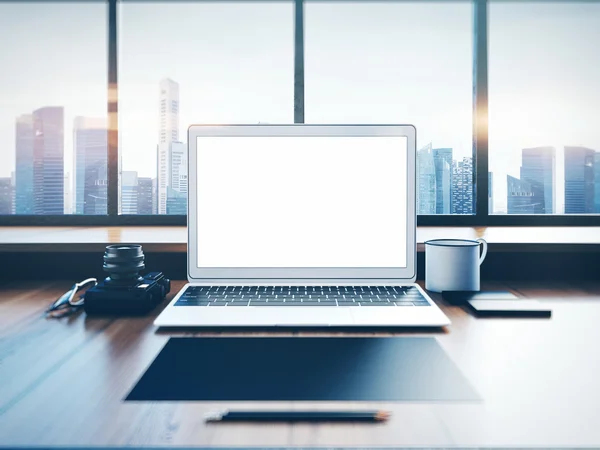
{"x": 124, "y": 297}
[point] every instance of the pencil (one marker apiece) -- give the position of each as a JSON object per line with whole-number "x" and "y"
{"x": 298, "y": 416}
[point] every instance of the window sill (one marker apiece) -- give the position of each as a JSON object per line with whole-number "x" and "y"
{"x": 173, "y": 239}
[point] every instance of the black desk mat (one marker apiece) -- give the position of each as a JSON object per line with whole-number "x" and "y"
{"x": 303, "y": 369}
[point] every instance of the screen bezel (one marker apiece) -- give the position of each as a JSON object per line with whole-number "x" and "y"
{"x": 302, "y": 275}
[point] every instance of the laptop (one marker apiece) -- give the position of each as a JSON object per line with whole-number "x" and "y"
{"x": 301, "y": 226}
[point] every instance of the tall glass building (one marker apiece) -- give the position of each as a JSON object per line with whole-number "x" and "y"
{"x": 426, "y": 181}
{"x": 90, "y": 174}
{"x": 129, "y": 192}
{"x": 6, "y": 196}
{"x": 168, "y": 133}
{"x": 538, "y": 168}
{"x": 145, "y": 194}
{"x": 48, "y": 161}
{"x": 597, "y": 182}
{"x": 579, "y": 180}
{"x": 520, "y": 197}
{"x": 442, "y": 159}
{"x": 462, "y": 186}
{"x": 24, "y": 165}
{"x": 490, "y": 192}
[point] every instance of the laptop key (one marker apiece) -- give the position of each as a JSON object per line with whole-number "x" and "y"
{"x": 315, "y": 304}
{"x": 374, "y": 304}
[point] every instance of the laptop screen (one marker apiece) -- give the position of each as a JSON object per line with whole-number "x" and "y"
{"x": 301, "y": 201}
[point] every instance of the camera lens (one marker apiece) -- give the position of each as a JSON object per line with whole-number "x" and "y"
{"x": 123, "y": 263}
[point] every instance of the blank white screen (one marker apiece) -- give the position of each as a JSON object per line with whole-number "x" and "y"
{"x": 302, "y": 201}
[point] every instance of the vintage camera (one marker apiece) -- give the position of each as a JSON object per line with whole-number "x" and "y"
{"x": 124, "y": 291}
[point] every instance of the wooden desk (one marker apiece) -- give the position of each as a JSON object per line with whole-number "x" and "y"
{"x": 62, "y": 382}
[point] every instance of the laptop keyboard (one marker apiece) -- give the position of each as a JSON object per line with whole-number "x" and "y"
{"x": 302, "y": 296}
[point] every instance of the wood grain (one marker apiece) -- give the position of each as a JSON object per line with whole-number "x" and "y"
{"x": 63, "y": 381}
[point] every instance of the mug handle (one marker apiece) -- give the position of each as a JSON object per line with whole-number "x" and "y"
{"x": 484, "y": 252}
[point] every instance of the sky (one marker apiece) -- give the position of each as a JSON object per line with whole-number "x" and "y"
{"x": 376, "y": 63}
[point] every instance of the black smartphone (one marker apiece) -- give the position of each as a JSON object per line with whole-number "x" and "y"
{"x": 462, "y": 297}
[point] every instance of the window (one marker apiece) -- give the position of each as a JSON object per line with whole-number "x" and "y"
{"x": 188, "y": 63}
{"x": 544, "y": 105}
{"x": 404, "y": 62}
{"x": 53, "y": 116}
{"x": 529, "y": 69}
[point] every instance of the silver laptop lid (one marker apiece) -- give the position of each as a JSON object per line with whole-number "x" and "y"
{"x": 301, "y": 203}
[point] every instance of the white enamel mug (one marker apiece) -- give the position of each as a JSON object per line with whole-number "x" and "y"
{"x": 453, "y": 264}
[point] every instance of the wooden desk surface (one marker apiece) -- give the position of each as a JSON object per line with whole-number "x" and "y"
{"x": 62, "y": 382}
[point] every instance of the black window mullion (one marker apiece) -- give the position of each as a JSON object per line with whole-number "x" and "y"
{"x": 298, "y": 61}
{"x": 113, "y": 114}
{"x": 480, "y": 111}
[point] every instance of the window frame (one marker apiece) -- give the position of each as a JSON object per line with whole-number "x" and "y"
{"x": 481, "y": 217}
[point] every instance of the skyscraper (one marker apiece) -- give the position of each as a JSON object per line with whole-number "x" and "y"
{"x": 48, "y": 160}
{"x": 520, "y": 197}
{"x": 597, "y": 182}
{"x": 462, "y": 186}
{"x": 24, "y": 164}
{"x": 144, "y": 199}
{"x": 68, "y": 194}
{"x": 154, "y": 196}
{"x": 490, "y": 193}
{"x": 129, "y": 192}
{"x": 13, "y": 185}
{"x": 426, "y": 181}
{"x": 442, "y": 159}
{"x": 178, "y": 179}
{"x": 176, "y": 202}
{"x": 178, "y": 183}
{"x": 6, "y": 196}
{"x": 120, "y": 179}
{"x": 538, "y": 168}
{"x": 579, "y": 180}
{"x": 168, "y": 133}
{"x": 90, "y": 171}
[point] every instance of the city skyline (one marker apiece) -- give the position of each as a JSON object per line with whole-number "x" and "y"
{"x": 535, "y": 191}
{"x": 445, "y": 184}
{"x": 39, "y": 151}
{"x": 367, "y": 80}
